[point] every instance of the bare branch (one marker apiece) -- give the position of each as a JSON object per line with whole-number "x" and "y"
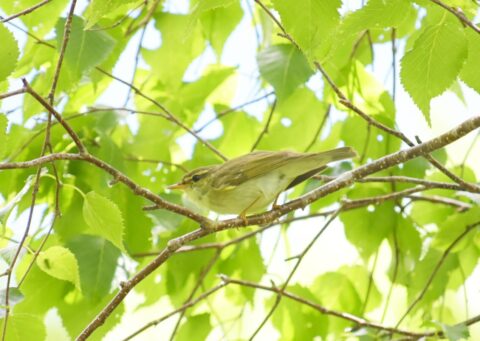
{"x": 459, "y": 14}
{"x": 12, "y": 93}
{"x": 59, "y": 118}
{"x": 25, "y": 11}
{"x": 66, "y": 36}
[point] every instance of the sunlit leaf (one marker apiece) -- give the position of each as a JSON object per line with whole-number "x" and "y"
{"x": 434, "y": 62}
{"x": 60, "y": 263}
{"x": 104, "y": 218}
{"x": 8, "y": 53}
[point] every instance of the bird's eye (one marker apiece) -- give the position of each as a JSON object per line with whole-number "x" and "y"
{"x": 196, "y": 178}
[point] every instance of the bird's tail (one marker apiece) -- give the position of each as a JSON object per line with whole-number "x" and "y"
{"x": 337, "y": 154}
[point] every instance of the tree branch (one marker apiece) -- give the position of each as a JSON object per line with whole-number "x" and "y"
{"x": 459, "y": 14}
{"x": 25, "y": 11}
{"x": 344, "y": 316}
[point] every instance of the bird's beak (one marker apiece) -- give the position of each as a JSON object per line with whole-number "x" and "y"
{"x": 179, "y": 186}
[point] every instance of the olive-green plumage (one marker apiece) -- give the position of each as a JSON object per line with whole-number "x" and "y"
{"x": 251, "y": 182}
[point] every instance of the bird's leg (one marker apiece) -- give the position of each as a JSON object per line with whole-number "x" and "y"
{"x": 274, "y": 205}
{"x": 243, "y": 214}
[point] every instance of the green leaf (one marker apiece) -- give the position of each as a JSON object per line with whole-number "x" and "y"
{"x": 41, "y": 20}
{"x": 470, "y": 73}
{"x": 192, "y": 97}
{"x": 178, "y": 49}
{"x": 60, "y": 263}
{"x": 206, "y": 5}
{"x": 235, "y": 125}
{"x": 218, "y": 23}
{"x": 244, "y": 262}
{"x": 104, "y": 218}
{"x": 379, "y": 14}
{"x": 336, "y": 291}
{"x": 371, "y": 96}
{"x": 310, "y": 23}
{"x": 296, "y": 321}
{"x": 97, "y": 9}
{"x": 298, "y": 116}
{"x": 432, "y": 65}
{"x": 197, "y": 327}
{"x": 362, "y": 281}
{"x": 76, "y": 313}
{"x": 23, "y": 327}
{"x": 456, "y": 332}
{"x": 8, "y": 53}
{"x": 3, "y": 135}
{"x": 41, "y": 292}
{"x": 85, "y": 49}
{"x": 97, "y": 261}
{"x": 284, "y": 67}
{"x": 367, "y": 227}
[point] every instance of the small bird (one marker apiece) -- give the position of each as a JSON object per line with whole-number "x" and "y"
{"x": 251, "y": 182}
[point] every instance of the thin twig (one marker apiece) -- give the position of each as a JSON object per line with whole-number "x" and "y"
{"x": 319, "y": 130}
{"x": 228, "y": 111}
{"x": 435, "y": 270}
{"x": 17, "y": 252}
{"x": 292, "y": 272}
{"x": 345, "y": 316}
{"x": 349, "y": 105}
{"x": 135, "y": 65}
{"x": 57, "y": 115}
{"x": 25, "y": 11}
{"x": 459, "y": 14}
{"x": 265, "y": 128}
{"x": 66, "y": 36}
{"x": 146, "y": 19}
{"x": 167, "y": 163}
{"x": 172, "y": 117}
{"x": 176, "y": 311}
{"x": 199, "y": 283}
{"x": 460, "y": 205}
{"x": 394, "y": 63}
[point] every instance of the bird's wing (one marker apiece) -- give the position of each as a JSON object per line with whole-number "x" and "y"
{"x": 236, "y": 171}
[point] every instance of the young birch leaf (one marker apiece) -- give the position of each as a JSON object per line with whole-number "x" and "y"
{"x": 60, "y": 262}
{"x": 97, "y": 259}
{"x": 470, "y": 73}
{"x": 380, "y": 14}
{"x": 24, "y": 327}
{"x": 219, "y": 23}
{"x": 309, "y": 23}
{"x": 100, "y": 8}
{"x": 284, "y": 67}
{"x": 85, "y": 50}
{"x": 8, "y": 53}
{"x": 196, "y": 328}
{"x": 104, "y": 218}
{"x": 433, "y": 64}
